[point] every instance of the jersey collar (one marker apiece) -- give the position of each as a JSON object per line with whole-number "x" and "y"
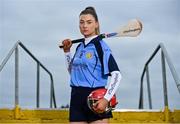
{"x": 89, "y": 39}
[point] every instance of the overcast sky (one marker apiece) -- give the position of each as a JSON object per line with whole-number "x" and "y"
{"x": 41, "y": 24}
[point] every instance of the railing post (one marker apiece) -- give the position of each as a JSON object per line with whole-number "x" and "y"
{"x": 148, "y": 87}
{"x": 171, "y": 67}
{"x": 141, "y": 95}
{"x": 16, "y": 76}
{"x": 51, "y": 94}
{"x": 54, "y": 99}
{"x": 38, "y": 85}
{"x": 164, "y": 79}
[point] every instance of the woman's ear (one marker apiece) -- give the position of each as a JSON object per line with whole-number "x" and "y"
{"x": 97, "y": 25}
{"x": 97, "y": 28}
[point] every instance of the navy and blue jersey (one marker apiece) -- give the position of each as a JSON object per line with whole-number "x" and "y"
{"x": 86, "y": 68}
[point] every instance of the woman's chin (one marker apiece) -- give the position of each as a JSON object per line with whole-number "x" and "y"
{"x": 87, "y": 35}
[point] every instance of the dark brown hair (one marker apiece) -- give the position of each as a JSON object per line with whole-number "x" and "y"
{"x": 90, "y": 10}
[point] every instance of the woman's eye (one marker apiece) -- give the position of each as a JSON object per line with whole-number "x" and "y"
{"x": 81, "y": 22}
{"x": 89, "y": 22}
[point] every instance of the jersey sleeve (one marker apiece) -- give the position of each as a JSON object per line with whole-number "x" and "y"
{"x": 109, "y": 63}
{"x": 68, "y": 60}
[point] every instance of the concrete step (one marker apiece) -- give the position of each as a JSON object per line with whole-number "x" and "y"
{"x": 18, "y": 115}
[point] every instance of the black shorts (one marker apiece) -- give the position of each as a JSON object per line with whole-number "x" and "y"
{"x": 79, "y": 110}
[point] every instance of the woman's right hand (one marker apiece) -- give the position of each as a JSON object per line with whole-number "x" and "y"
{"x": 66, "y": 45}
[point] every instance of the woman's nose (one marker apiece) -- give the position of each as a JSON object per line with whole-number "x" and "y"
{"x": 85, "y": 25}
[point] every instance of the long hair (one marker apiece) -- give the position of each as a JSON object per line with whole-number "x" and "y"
{"x": 90, "y": 10}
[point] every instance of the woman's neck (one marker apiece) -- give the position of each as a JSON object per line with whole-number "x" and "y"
{"x": 88, "y": 39}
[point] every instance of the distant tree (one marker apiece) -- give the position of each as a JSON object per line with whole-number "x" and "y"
{"x": 65, "y": 106}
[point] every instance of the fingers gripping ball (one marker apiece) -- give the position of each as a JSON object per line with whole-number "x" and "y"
{"x": 98, "y": 94}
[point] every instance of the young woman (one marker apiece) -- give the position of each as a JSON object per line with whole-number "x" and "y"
{"x": 88, "y": 73}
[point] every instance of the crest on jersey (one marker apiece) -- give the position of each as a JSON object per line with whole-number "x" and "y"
{"x": 89, "y": 55}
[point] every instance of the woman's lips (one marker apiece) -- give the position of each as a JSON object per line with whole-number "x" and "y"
{"x": 85, "y": 30}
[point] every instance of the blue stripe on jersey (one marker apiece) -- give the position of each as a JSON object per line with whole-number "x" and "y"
{"x": 86, "y": 69}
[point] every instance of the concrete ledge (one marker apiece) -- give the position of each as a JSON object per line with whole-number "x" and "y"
{"x": 18, "y": 115}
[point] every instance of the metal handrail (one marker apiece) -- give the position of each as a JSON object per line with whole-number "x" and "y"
{"x": 164, "y": 55}
{"x": 39, "y": 64}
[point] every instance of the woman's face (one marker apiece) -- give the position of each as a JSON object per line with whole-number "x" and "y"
{"x": 88, "y": 25}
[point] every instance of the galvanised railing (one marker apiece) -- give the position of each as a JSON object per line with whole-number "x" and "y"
{"x": 164, "y": 56}
{"x": 39, "y": 64}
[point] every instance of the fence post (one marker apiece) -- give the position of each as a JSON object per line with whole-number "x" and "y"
{"x": 38, "y": 85}
{"x": 16, "y": 76}
{"x": 164, "y": 79}
{"x": 148, "y": 87}
{"x": 17, "y": 108}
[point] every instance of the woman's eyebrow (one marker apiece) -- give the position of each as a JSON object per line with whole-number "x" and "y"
{"x": 86, "y": 20}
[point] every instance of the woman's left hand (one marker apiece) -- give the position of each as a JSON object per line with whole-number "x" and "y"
{"x": 100, "y": 105}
